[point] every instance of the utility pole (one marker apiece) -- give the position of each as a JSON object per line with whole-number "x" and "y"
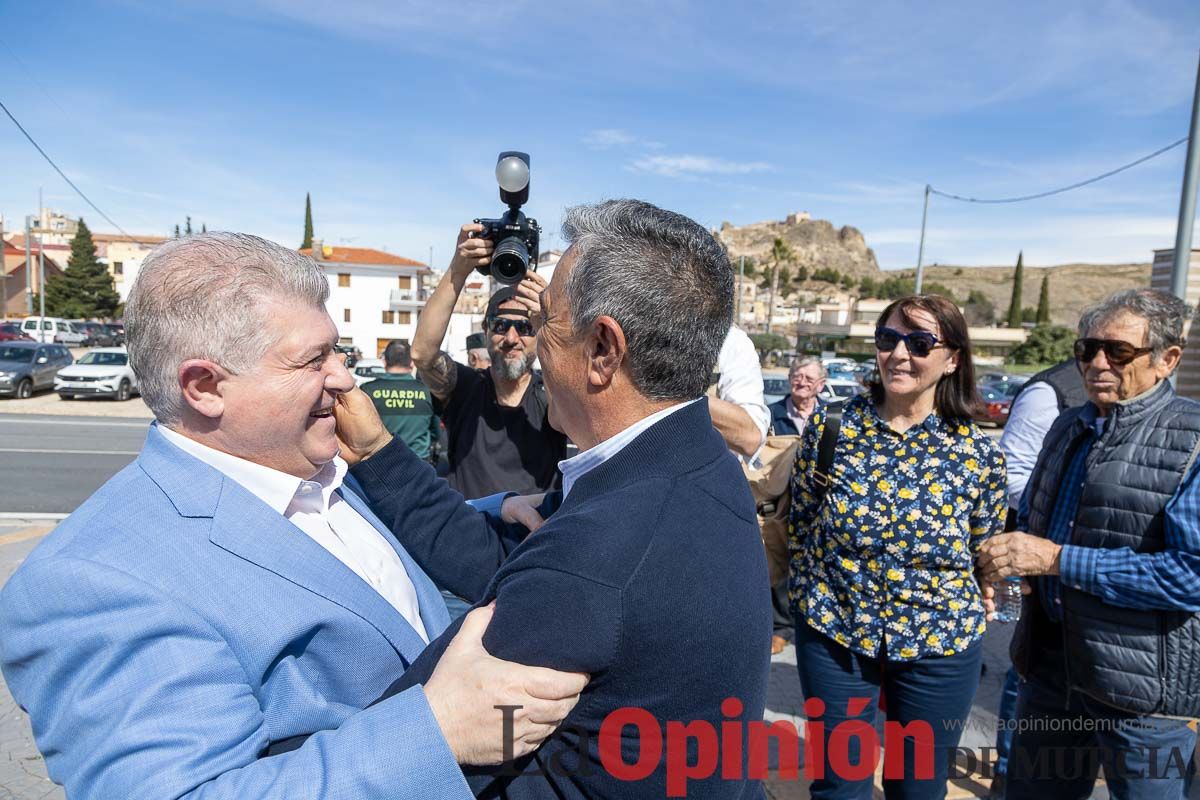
{"x": 1187, "y": 203}
{"x": 921, "y": 248}
{"x": 3, "y": 274}
{"x": 29, "y": 274}
{"x": 741, "y": 280}
{"x": 42, "y": 277}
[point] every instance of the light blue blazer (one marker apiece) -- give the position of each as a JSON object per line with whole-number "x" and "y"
{"x": 174, "y": 625}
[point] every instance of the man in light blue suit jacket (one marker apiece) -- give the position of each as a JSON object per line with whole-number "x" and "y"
{"x": 226, "y": 590}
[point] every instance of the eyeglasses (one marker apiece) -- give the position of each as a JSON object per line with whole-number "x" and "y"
{"x": 1117, "y": 352}
{"x": 919, "y": 343}
{"x": 501, "y": 325}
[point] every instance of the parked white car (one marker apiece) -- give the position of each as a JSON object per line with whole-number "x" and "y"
{"x": 368, "y": 369}
{"x": 103, "y": 372}
{"x": 839, "y": 391}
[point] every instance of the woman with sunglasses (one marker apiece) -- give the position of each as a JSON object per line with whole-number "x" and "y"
{"x": 882, "y": 576}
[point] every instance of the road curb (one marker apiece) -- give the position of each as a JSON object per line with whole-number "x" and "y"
{"x": 32, "y": 516}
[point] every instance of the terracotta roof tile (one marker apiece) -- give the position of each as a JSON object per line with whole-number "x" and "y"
{"x": 116, "y": 237}
{"x": 360, "y": 255}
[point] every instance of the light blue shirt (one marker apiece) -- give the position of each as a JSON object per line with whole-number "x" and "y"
{"x": 1028, "y": 423}
{"x": 576, "y": 467}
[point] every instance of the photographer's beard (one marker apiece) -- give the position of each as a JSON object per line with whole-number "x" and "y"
{"x": 511, "y": 364}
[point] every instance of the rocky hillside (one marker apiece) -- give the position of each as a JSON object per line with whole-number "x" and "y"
{"x": 815, "y": 243}
{"x": 818, "y": 245}
{"x": 1073, "y": 287}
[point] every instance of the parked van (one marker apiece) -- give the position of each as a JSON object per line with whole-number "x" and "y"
{"x": 53, "y": 329}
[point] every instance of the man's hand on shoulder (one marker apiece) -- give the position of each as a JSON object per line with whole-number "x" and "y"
{"x": 360, "y": 431}
{"x": 468, "y": 684}
{"x": 523, "y": 510}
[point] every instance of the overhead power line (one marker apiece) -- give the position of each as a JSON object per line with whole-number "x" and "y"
{"x": 950, "y": 196}
{"x": 70, "y": 183}
{"x": 1079, "y": 185}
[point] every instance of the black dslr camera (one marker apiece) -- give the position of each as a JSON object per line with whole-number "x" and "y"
{"x": 515, "y": 235}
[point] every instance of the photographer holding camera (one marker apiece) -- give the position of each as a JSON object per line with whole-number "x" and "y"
{"x": 496, "y": 418}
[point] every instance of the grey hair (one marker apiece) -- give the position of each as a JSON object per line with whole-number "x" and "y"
{"x": 805, "y": 361}
{"x": 1165, "y": 314}
{"x": 204, "y": 296}
{"x": 664, "y": 279}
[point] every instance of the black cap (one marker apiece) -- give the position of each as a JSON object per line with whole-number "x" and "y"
{"x": 475, "y": 341}
{"x": 503, "y": 296}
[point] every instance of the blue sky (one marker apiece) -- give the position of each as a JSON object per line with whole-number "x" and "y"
{"x": 391, "y": 115}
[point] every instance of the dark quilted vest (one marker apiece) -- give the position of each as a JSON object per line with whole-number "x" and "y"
{"x": 1145, "y": 661}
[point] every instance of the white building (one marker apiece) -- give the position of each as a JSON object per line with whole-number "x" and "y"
{"x": 374, "y": 297}
{"x": 123, "y": 255}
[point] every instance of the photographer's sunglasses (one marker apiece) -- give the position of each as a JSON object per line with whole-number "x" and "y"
{"x": 919, "y": 343}
{"x": 500, "y": 326}
{"x": 1117, "y": 352}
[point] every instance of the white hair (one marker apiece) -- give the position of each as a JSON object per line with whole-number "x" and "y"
{"x": 205, "y": 297}
{"x": 808, "y": 361}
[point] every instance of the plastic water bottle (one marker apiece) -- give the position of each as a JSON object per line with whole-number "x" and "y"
{"x": 1008, "y": 600}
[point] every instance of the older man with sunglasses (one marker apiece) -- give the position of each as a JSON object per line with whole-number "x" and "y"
{"x": 500, "y": 438}
{"x": 1108, "y": 643}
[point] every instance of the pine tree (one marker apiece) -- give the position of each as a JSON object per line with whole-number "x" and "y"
{"x": 1043, "y": 309}
{"x": 1014, "y": 305}
{"x": 308, "y": 229}
{"x": 188, "y": 228}
{"x": 85, "y": 289}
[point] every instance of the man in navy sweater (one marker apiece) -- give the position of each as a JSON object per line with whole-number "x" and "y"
{"x": 656, "y": 516}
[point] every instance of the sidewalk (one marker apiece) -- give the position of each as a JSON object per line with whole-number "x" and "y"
{"x": 22, "y": 771}
{"x": 50, "y": 403}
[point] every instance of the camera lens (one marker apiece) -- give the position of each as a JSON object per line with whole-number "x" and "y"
{"x": 510, "y": 260}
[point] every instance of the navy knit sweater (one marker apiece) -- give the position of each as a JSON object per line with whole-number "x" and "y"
{"x": 650, "y": 578}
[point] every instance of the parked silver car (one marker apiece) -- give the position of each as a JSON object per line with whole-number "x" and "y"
{"x": 26, "y": 367}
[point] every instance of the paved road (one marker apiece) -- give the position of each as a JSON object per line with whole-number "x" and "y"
{"x": 52, "y": 464}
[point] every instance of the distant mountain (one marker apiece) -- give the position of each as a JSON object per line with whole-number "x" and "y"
{"x": 1073, "y": 287}
{"x": 817, "y": 244}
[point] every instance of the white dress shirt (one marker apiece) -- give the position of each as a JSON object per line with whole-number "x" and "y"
{"x": 315, "y": 508}
{"x": 576, "y": 467}
{"x": 741, "y": 381}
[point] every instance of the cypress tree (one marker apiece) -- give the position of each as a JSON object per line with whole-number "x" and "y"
{"x": 308, "y": 228}
{"x": 1043, "y": 309}
{"x": 176, "y": 231}
{"x": 1014, "y": 305}
{"x": 188, "y": 228}
{"x": 85, "y": 289}
{"x": 204, "y": 227}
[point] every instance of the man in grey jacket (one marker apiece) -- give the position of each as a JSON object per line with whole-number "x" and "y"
{"x": 1108, "y": 643}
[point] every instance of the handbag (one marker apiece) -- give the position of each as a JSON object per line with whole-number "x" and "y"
{"x": 769, "y": 483}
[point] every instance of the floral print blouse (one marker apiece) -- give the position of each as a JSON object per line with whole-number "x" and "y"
{"x": 886, "y": 562}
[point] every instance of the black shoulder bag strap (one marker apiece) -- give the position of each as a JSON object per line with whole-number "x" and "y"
{"x": 825, "y": 450}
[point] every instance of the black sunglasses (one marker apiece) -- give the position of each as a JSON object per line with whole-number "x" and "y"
{"x": 1117, "y": 352}
{"x": 919, "y": 343}
{"x": 500, "y": 326}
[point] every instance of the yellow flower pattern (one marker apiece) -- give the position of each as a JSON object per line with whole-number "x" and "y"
{"x": 887, "y": 561}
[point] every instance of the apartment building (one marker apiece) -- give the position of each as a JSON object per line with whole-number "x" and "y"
{"x": 374, "y": 297}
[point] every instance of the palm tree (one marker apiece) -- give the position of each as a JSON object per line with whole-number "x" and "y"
{"x": 781, "y": 253}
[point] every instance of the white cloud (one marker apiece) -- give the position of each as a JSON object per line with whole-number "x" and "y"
{"x": 688, "y": 165}
{"x": 609, "y": 137}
